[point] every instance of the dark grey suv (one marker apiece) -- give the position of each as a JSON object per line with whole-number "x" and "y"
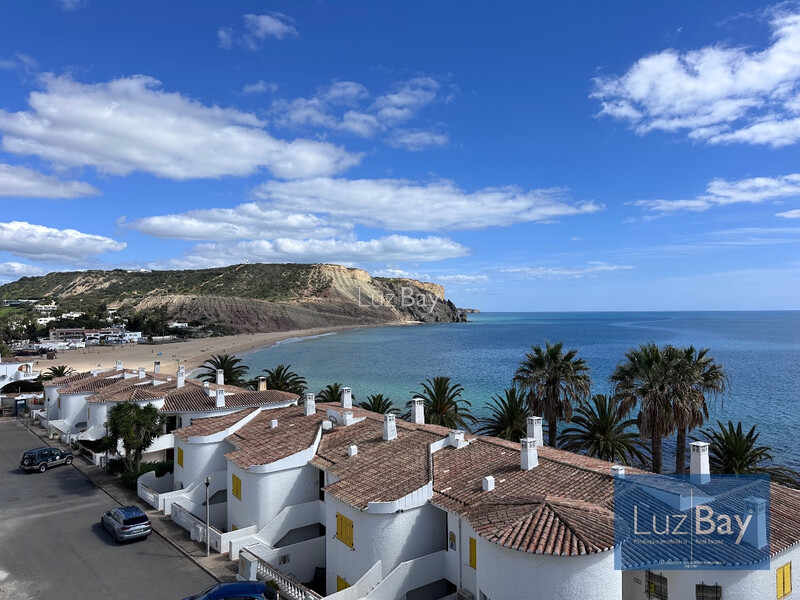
{"x": 40, "y": 459}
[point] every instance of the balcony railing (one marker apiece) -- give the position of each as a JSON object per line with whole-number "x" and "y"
{"x": 289, "y": 588}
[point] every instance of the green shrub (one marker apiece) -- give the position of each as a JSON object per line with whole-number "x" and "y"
{"x": 116, "y": 466}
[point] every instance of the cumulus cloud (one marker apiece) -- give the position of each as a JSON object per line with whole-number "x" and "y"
{"x": 260, "y": 87}
{"x": 256, "y": 29}
{"x": 591, "y": 269}
{"x": 460, "y": 279}
{"x": 49, "y": 245}
{"x": 14, "y": 270}
{"x": 72, "y": 4}
{"x": 130, "y": 124}
{"x": 716, "y": 94}
{"x": 404, "y": 205}
{"x": 720, "y": 192}
{"x": 19, "y": 182}
{"x": 417, "y": 141}
{"x": 790, "y": 214}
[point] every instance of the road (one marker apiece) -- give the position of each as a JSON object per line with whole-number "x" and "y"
{"x": 52, "y": 545}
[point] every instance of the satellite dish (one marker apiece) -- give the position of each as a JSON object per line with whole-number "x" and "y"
{"x": 334, "y": 416}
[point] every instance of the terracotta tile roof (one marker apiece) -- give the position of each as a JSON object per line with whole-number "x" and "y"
{"x": 784, "y": 518}
{"x": 193, "y": 397}
{"x": 67, "y": 379}
{"x": 128, "y": 390}
{"x": 93, "y": 383}
{"x": 212, "y": 425}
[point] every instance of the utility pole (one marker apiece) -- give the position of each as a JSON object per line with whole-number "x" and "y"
{"x": 208, "y": 519}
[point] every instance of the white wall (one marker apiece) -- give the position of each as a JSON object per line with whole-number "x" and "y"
{"x": 51, "y": 402}
{"x": 199, "y": 459}
{"x": 73, "y": 408}
{"x": 391, "y": 538}
{"x": 97, "y": 414}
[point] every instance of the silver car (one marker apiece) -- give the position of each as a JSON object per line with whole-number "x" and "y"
{"x": 126, "y": 523}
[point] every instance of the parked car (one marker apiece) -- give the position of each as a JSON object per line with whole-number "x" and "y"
{"x": 240, "y": 590}
{"x": 39, "y": 459}
{"x": 126, "y": 523}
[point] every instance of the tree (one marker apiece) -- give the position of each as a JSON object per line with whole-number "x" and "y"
{"x": 443, "y": 404}
{"x": 731, "y": 451}
{"x": 600, "y": 429}
{"x": 555, "y": 381}
{"x": 698, "y": 375}
{"x": 233, "y": 371}
{"x": 332, "y": 393}
{"x": 649, "y": 377}
{"x": 380, "y": 404}
{"x": 283, "y": 379}
{"x": 5, "y": 350}
{"x": 57, "y": 371}
{"x": 508, "y": 416}
{"x": 136, "y": 427}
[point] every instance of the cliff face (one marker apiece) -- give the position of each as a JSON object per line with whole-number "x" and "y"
{"x": 250, "y": 298}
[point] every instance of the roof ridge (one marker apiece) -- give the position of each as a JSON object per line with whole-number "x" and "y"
{"x": 568, "y": 523}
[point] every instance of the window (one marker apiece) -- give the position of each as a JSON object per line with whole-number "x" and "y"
{"x": 236, "y": 487}
{"x": 707, "y": 592}
{"x": 344, "y": 530}
{"x": 180, "y": 456}
{"x": 784, "y": 577}
{"x": 341, "y": 584}
{"x": 473, "y": 553}
{"x": 656, "y": 586}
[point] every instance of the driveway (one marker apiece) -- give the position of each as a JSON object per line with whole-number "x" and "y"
{"x": 53, "y": 546}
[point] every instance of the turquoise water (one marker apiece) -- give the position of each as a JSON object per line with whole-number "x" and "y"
{"x": 760, "y": 350}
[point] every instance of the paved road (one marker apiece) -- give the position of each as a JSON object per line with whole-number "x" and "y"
{"x": 52, "y": 545}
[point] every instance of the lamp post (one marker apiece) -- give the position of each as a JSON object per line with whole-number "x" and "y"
{"x": 208, "y": 519}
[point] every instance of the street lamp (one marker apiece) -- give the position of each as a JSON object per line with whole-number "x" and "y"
{"x": 208, "y": 519}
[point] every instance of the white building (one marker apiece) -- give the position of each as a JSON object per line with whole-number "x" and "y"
{"x": 14, "y": 369}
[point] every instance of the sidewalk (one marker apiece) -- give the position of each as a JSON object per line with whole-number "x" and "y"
{"x": 217, "y": 565}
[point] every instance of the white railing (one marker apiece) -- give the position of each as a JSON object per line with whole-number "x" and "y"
{"x": 150, "y": 488}
{"x": 292, "y": 517}
{"x": 410, "y": 575}
{"x": 196, "y": 527}
{"x": 267, "y": 572}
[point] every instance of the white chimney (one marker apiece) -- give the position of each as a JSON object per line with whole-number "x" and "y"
{"x": 220, "y": 397}
{"x": 348, "y": 418}
{"x": 756, "y": 533}
{"x": 530, "y": 455}
{"x": 699, "y": 471}
{"x": 352, "y": 450}
{"x": 618, "y": 471}
{"x": 157, "y": 367}
{"x": 220, "y": 377}
{"x": 181, "y": 377}
{"x": 119, "y": 365}
{"x": 535, "y": 430}
{"x": 141, "y": 373}
{"x": 273, "y": 423}
{"x": 347, "y": 398}
{"x": 418, "y": 411}
{"x": 262, "y": 384}
{"x": 389, "y": 428}
{"x": 309, "y": 404}
{"x": 488, "y": 483}
{"x": 456, "y": 438}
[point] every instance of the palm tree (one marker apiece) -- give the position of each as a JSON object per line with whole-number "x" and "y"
{"x": 283, "y": 379}
{"x": 731, "y": 451}
{"x": 332, "y": 393}
{"x": 554, "y": 380}
{"x": 647, "y": 377}
{"x": 58, "y": 371}
{"x": 508, "y": 418}
{"x": 601, "y": 429}
{"x": 698, "y": 375}
{"x": 443, "y": 404}
{"x": 380, "y": 404}
{"x": 233, "y": 371}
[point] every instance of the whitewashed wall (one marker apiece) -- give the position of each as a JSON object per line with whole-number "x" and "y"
{"x": 96, "y": 414}
{"x": 51, "y": 402}
{"x": 73, "y": 408}
{"x": 199, "y": 459}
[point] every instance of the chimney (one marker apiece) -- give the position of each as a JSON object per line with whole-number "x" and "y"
{"x": 535, "y": 430}
{"x": 456, "y": 438}
{"x": 352, "y": 450}
{"x": 618, "y": 472}
{"x": 699, "y": 471}
{"x": 273, "y": 423}
{"x": 119, "y": 365}
{"x": 418, "y": 411}
{"x": 348, "y": 418}
{"x": 488, "y": 483}
{"x": 262, "y": 384}
{"x": 141, "y": 373}
{"x": 309, "y": 404}
{"x": 220, "y": 397}
{"x": 157, "y": 367}
{"x": 220, "y": 377}
{"x": 756, "y": 533}
{"x": 389, "y": 428}
{"x": 347, "y": 398}
{"x": 181, "y": 377}
{"x": 530, "y": 455}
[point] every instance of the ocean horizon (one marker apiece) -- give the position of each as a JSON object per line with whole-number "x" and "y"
{"x": 759, "y": 349}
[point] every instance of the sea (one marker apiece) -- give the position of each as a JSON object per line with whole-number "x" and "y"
{"x": 759, "y": 350}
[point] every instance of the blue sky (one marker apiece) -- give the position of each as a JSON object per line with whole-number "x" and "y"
{"x": 592, "y": 156}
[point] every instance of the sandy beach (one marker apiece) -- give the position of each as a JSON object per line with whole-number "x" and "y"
{"x": 190, "y": 353}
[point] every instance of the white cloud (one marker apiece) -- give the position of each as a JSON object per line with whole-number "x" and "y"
{"x": 404, "y": 205}
{"x": 417, "y": 140}
{"x": 790, "y": 214}
{"x": 225, "y": 38}
{"x": 257, "y": 29}
{"x": 592, "y": 268}
{"x": 460, "y": 279}
{"x": 254, "y": 220}
{"x": 72, "y": 4}
{"x": 260, "y": 87}
{"x": 716, "y": 94}
{"x": 19, "y": 182}
{"x": 130, "y": 124}
{"x": 15, "y": 270}
{"x": 49, "y": 245}
{"x": 720, "y": 192}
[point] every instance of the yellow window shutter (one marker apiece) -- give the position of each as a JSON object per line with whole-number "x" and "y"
{"x": 180, "y": 457}
{"x": 236, "y": 485}
{"x": 344, "y": 529}
{"x": 779, "y": 582}
{"x": 473, "y": 553}
{"x": 341, "y": 584}
{"x": 787, "y": 578}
